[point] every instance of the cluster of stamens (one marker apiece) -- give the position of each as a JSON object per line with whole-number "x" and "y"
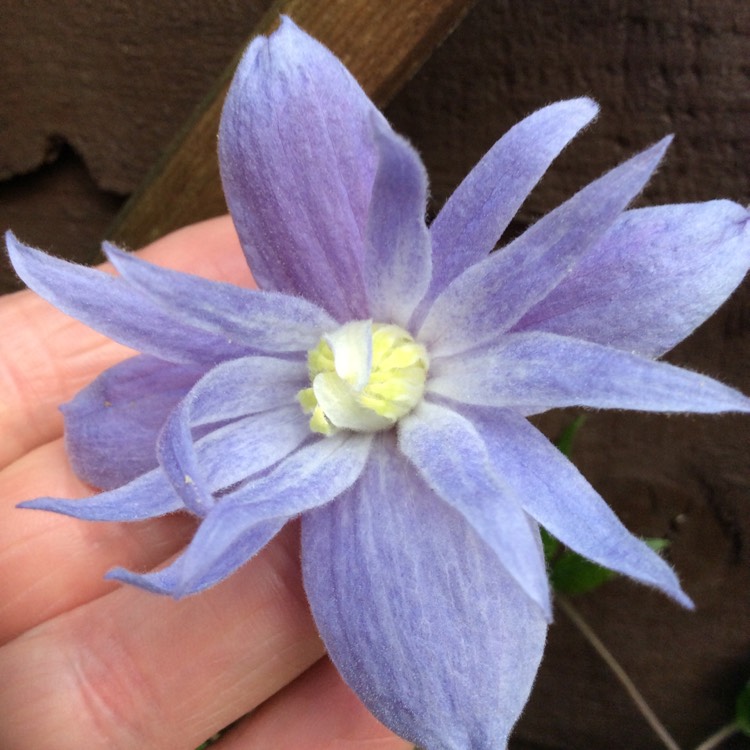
{"x": 365, "y": 376}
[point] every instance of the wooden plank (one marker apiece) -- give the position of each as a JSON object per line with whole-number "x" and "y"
{"x": 383, "y": 44}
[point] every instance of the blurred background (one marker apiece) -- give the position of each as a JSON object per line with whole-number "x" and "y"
{"x": 91, "y": 93}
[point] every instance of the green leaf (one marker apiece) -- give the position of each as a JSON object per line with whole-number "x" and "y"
{"x": 573, "y": 574}
{"x": 742, "y": 715}
{"x": 656, "y": 543}
{"x": 569, "y": 572}
{"x": 550, "y": 545}
{"x": 565, "y": 441}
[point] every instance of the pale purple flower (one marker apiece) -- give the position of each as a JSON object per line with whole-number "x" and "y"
{"x": 421, "y": 551}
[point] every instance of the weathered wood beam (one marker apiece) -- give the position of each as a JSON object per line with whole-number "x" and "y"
{"x": 382, "y": 43}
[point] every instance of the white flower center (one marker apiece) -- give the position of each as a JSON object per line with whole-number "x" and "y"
{"x": 364, "y": 376}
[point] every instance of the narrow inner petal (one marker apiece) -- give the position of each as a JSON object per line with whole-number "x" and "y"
{"x": 339, "y": 404}
{"x": 352, "y": 352}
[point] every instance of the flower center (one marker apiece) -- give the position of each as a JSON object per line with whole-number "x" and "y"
{"x": 364, "y": 376}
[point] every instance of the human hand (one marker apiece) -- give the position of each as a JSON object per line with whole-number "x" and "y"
{"x": 87, "y": 663}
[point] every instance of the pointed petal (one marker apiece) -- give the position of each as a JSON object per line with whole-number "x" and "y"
{"x": 111, "y": 426}
{"x": 112, "y": 307}
{"x": 258, "y": 321}
{"x": 220, "y": 546}
{"x": 226, "y": 456}
{"x": 314, "y": 475}
{"x": 397, "y": 263}
{"x": 246, "y": 386}
{"x": 298, "y": 163}
{"x": 475, "y": 216}
{"x": 245, "y": 520}
{"x": 555, "y": 493}
{"x": 544, "y": 371}
{"x": 178, "y": 460}
{"x": 234, "y": 452}
{"x": 148, "y": 496}
{"x": 654, "y": 277}
{"x": 233, "y": 389}
{"x": 417, "y": 613}
{"x": 451, "y": 457}
{"x": 492, "y": 295}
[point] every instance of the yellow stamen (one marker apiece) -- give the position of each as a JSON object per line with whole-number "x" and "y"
{"x": 391, "y": 388}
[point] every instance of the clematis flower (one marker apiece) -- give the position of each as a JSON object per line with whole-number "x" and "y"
{"x": 379, "y": 382}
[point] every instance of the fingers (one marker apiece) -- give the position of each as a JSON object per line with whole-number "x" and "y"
{"x": 51, "y": 563}
{"x": 133, "y": 670}
{"x": 46, "y": 357}
{"x": 316, "y": 712}
{"x": 56, "y": 564}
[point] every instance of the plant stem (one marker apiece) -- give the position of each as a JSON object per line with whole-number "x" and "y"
{"x": 718, "y": 737}
{"x": 645, "y": 710}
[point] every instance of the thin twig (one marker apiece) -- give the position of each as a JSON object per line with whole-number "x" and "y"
{"x": 577, "y": 619}
{"x": 718, "y": 737}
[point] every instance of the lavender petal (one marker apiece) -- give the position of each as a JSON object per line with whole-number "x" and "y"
{"x": 417, "y": 613}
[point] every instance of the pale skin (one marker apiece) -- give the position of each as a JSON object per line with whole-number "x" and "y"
{"x": 89, "y": 663}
